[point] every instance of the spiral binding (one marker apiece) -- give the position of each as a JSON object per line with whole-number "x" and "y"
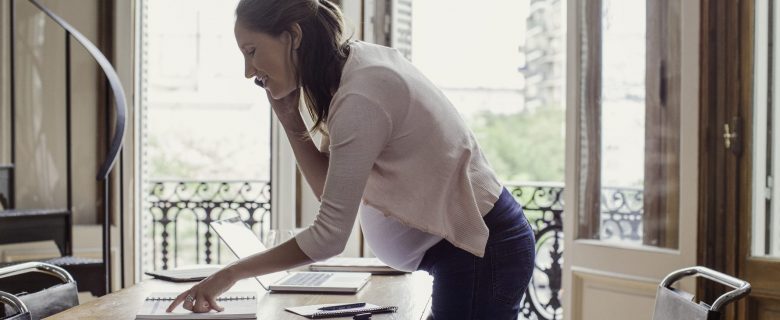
{"x": 231, "y": 298}
{"x": 339, "y": 313}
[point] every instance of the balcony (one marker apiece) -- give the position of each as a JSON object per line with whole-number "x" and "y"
{"x": 177, "y": 214}
{"x": 175, "y": 223}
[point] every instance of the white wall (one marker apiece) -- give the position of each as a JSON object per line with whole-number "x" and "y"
{"x": 5, "y": 134}
{"x": 40, "y": 109}
{"x": 40, "y": 119}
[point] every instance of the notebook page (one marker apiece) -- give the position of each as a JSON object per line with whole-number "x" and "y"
{"x": 238, "y": 305}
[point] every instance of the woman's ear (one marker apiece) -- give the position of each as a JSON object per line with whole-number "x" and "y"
{"x": 296, "y": 34}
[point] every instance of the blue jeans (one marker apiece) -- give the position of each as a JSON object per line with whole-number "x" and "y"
{"x": 489, "y": 288}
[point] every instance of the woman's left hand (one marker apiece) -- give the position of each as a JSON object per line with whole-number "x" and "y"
{"x": 202, "y": 297}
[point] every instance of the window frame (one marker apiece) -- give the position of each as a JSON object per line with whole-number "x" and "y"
{"x": 661, "y": 203}
{"x": 284, "y": 204}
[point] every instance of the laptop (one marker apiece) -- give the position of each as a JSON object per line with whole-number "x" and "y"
{"x": 189, "y": 274}
{"x": 345, "y": 264}
{"x": 243, "y": 242}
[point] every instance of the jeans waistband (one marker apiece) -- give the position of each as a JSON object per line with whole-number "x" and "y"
{"x": 506, "y": 217}
{"x": 505, "y": 213}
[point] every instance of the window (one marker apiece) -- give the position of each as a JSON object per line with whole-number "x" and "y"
{"x": 502, "y": 66}
{"x": 205, "y": 133}
{"x": 766, "y": 119}
{"x": 629, "y": 122}
{"x": 504, "y": 75}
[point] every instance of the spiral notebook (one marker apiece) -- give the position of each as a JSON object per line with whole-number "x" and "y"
{"x": 238, "y": 305}
{"x": 314, "y": 312}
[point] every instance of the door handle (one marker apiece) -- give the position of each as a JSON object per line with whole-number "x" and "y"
{"x": 731, "y": 135}
{"x": 728, "y": 135}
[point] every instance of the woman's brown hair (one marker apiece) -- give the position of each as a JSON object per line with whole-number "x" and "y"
{"x": 322, "y": 51}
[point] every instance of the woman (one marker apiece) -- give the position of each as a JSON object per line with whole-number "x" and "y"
{"x": 399, "y": 155}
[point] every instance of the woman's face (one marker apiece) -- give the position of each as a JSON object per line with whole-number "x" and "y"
{"x": 269, "y": 59}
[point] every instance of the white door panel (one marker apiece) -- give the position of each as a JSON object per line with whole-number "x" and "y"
{"x": 607, "y": 280}
{"x": 611, "y": 296}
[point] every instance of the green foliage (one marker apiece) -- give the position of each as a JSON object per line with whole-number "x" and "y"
{"x": 523, "y": 146}
{"x": 166, "y": 164}
{"x": 215, "y": 157}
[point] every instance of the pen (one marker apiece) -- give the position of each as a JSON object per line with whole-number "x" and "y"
{"x": 343, "y": 306}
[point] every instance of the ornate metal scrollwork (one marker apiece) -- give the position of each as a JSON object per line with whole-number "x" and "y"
{"x": 172, "y": 204}
{"x": 621, "y": 214}
{"x": 185, "y": 208}
{"x": 621, "y": 220}
{"x": 543, "y": 206}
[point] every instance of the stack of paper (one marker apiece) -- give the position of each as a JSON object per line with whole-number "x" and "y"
{"x": 238, "y": 305}
{"x": 342, "y": 264}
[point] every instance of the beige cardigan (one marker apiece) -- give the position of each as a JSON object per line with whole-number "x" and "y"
{"x": 397, "y": 143}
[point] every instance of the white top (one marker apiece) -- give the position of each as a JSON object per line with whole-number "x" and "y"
{"x": 397, "y": 245}
{"x": 399, "y": 145}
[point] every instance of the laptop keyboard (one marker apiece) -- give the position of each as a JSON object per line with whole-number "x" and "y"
{"x": 307, "y": 279}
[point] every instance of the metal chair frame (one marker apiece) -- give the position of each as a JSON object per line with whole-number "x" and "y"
{"x": 12, "y": 270}
{"x": 741, "y": 289}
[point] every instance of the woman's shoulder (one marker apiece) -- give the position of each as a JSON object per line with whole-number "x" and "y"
{"x": 376, "y": 82}
{"x": 371, "y": 66}
{"x": 369, "y": 78}
{"x": 371, "y": 48}
{"x": 368, "y": 58}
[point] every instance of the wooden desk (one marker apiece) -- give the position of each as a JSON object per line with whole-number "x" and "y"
{"x": 410, "y": 292}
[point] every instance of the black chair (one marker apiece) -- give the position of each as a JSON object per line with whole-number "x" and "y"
{"x": 28, "y": 225}
{"x": 38, "y": 303}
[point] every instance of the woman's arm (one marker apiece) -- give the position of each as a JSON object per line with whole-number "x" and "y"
{"x": 359, "y": 130}
{"x": 358, "y": 136}
{"x": 285, "y": 256}
{"x": 312, "y": 162}
{"x": 282, "y": 257}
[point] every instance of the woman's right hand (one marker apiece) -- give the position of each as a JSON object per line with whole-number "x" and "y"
{"x": 287, "y": 107}
{"x": 202, "y": 297}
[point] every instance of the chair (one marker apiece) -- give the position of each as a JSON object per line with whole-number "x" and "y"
{"x": 37, "y": 304}
{"x": 672, "y": 303}
{"x": 27, "y": 225}
{"x": 22, "y": 313}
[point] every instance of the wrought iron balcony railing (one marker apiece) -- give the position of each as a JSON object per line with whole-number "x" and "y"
{"x": 543, "y": 206}
{"x": 177, "y": 215}
{"x": 621, "y": 214}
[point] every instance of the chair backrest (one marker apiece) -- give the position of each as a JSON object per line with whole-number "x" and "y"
{"x": 671, "y": 303}
{"x": 674, "y": 304}
{"x": 44, "y": 303}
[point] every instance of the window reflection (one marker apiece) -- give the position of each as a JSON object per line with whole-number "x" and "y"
{"x": 622, "y": 119}
{"x": 765, "y": 231}
{"x": 629, "y": 122}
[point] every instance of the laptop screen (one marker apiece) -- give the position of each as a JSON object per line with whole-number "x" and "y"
{"x": 243, "y": 242}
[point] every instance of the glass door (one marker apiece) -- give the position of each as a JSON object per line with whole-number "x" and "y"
{"x": 760, "y": 235}
{"x": 631, "y": 163}
{"x": 205, "y": 134}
